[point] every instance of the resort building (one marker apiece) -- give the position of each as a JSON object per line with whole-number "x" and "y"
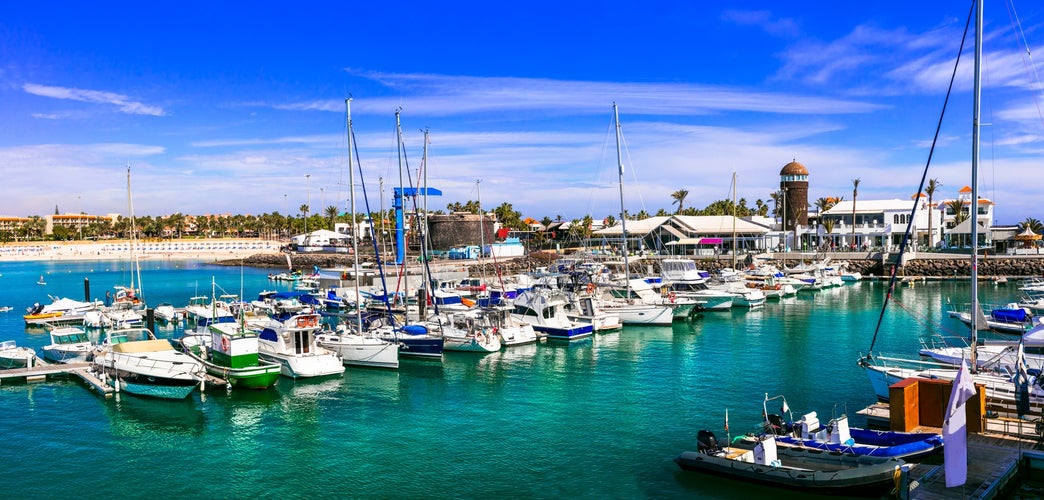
{"x": 876, "y": 224}
{"x": 12, "y": 224}
{"x": 686, "y": 235}
{"x": 957, "y": 219}
{"x": 76, "y": 223}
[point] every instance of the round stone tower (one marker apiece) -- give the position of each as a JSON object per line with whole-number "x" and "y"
{"x": 793, "y": 181}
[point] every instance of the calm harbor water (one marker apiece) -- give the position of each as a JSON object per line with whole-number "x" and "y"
{"x": 602, "y": 417}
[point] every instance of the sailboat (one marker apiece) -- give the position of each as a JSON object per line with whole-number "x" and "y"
{"x": 999, "y": 386}
{"x": 631, "y": 309}
{"x": 356, "y": 347}
{"x": 139, "y": 363}
{"x": 471, "y": 331}
{"x": 414, "y": 339}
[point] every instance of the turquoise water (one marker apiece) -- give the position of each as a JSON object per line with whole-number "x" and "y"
{"x": 602, "y": 417}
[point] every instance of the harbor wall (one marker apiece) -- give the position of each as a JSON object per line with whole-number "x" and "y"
{"x": 931, "y": 265}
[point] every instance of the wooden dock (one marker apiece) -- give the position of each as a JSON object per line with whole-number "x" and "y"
{"x": 994, "y": 457}
{"x": 993, "y": 461}
{"x": 42, "y": 370}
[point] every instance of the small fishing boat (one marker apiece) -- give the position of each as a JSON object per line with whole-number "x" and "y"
{"x": 807, "y": 470}
{"x": 230, "y": 351}
{"x": 5, "y": 309}
{"x": 12, "y": 356}
{"x": 68, "y": 345}
{"x": 838, "y": 436}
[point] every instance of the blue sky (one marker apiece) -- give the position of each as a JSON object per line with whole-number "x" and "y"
{"x": 223, "y": 108}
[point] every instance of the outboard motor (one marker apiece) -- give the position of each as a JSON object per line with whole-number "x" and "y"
{"x": 707, "y": 442}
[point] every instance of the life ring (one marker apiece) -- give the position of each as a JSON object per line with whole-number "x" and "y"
{"x": 672, "y": 297}
{"x": 590, "y": 288}
{"x": 225, "y": 344}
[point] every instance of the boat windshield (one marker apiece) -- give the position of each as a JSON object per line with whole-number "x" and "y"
{"x": 73, "y": 338}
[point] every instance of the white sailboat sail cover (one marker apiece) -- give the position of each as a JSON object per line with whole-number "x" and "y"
{"x": 955, "y": 429}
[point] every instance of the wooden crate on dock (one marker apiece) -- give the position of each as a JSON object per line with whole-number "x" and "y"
{"x": 918, "y": 402}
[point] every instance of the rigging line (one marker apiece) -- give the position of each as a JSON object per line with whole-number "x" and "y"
{"x": 920, "y": 188}
{"x": 354, "y": 146}
{"x": 921, "y": 318}
{"x": 1013, "y": 16}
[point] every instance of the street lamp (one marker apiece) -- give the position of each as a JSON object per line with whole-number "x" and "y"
{"x": 79, "y": 221}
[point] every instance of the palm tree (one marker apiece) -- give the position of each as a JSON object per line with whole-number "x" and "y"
{"x": 855, "y": 194}
{"x": 1033, "y": 224}
{"x": 331, "y": 213}
{"x": 679, "y": 198}
{"x": 933, "y": 184}
{"x": 959, "y": 216}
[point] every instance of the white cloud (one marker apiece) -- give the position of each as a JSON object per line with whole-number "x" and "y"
{"x": 122, "y": 102}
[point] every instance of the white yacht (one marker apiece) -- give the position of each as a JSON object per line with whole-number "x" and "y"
{"x": 292, "y": 343}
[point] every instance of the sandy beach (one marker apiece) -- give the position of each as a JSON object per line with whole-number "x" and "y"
{"x": 204, "y": 250}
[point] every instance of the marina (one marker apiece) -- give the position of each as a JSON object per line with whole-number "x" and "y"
{"x": 651, "y": 385}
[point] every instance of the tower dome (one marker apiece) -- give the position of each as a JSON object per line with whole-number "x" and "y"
{"x": 793, "y": 168}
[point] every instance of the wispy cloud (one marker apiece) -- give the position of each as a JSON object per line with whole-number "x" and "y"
{"x": 781, "y": 27}
{"x": 122, "y": 102}
{"x": 446, "y": 95}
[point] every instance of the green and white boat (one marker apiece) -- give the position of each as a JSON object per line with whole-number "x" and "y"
{"x": 229, "y": 352}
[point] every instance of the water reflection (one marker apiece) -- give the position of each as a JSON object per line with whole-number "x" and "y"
{"x": 162, "y": 421}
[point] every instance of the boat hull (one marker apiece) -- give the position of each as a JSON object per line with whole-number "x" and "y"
{"x": 65, "y": 355}
{"x": 862, "y": 477}
{"x": 308, "y": 366}
{"x": 576, "y": 332}
{"x": 356, "y": 350}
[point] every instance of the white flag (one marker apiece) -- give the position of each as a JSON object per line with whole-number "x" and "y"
{"x": 955, "y": 429}
{"x": 785, "y": 408}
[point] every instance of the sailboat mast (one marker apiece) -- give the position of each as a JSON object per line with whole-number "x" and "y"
{"x": 400, "y": 229}
{"x": 623, "y": 213}
{"x": 133, "y": 258}
{"x": 734, "y": 220}
{"x": 351, "y": 203}
{"x": 974, "y": 209}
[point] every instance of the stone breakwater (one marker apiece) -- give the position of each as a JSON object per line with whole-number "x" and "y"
{"x": 1023, "y": 266}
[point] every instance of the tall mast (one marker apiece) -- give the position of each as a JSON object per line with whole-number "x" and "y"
{"x": 351, "y": 198}
{"x": 134, "y": 234}
{"x": 623, "y": 213}
{"x": 974, "y": 210}
{"x": 400, "y": 229}
{"x": 734, "y": 250}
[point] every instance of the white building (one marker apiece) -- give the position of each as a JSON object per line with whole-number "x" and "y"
{"x": 877, "y": 224}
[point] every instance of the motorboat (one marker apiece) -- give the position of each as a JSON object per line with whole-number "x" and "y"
{"x": 135, "y": 361}
{"x": 292, "y": 344}
{"x": 166, "y": 313}
{"x": 12, "y": 356}
{"x": 69, "y": 344}
{"x": 467, "y": 331}
{"x": 358, "y": 349}
{"x": 807, "y": 470}
{"x": 231, "y": 352}
{"x": 838, "y": 436}
{"x": 544, "y": 309}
